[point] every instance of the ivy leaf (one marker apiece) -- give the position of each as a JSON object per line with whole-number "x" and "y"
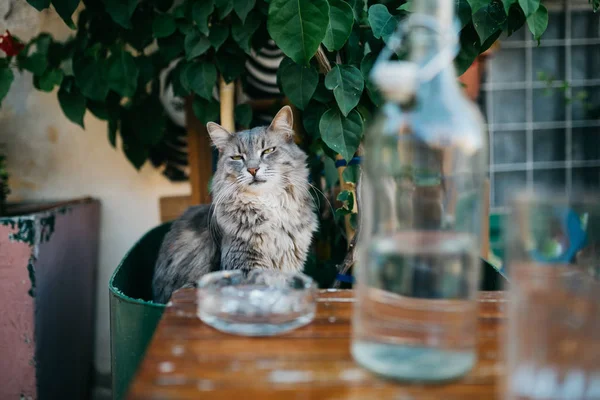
{"x": 354, "y": 47}
{"x": 242, "y": 32}
{"x": 382, "y": 22}
{"x": 488, "y": 20}
{"x": 224, "y": 7}
{"x": 71, "y": 101}
{"x": 311, "y": 117}
{"x": 195, "y": 44}
{"x": 6, "y": 80}
{"x": 508, "y": 4}
{"x": 347, "y": 84}
{"x": 178, "y": 79}
{"x": 202, "y": 78}
{"x": 298, "y": 82}
{"x": 163, "y": 25}
{"x": 341, "y": 19}
{"x": 516, "y": 19}
{"x": 146, "y": 68}
{"x": 39, "y": 4}
{"x": 91, "y": 78}
{"x": 341, "y": 134}
{"x": 366, "y": 65}
{"x": 351, "y": 174}
{"x": 463, "y": 11}
{"x": 231, "y": 61}
{"x": 205, "y": 110}
{"x": 200, "y": 13}
{"x": 123, "y": 73}
{"x": 66, "y": 8}
{"x": 120, "y": 11}
{"x": 49, "y": 79}
{"x": 538, "y": 22}
{"x": 347, "y": 198}
{"x": 243, "y": 7}
{"x": 218, "y": 35}
{"x": 529, "y": 6}
{"x": 243, "y": 115}
{"x": 298, "y": 27}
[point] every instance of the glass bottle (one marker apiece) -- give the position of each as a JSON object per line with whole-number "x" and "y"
{"x": 425, "y": 161}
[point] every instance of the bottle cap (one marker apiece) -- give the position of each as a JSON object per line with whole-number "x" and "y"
{"x": 397, "y": 80}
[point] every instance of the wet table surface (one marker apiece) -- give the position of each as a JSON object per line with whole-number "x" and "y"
{"x": 187, "y": 359}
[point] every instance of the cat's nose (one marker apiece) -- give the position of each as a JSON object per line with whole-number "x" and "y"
{"x": 253, "y": 171}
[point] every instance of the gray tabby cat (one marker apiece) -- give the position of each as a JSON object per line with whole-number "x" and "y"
{"x": 262, "y": 215}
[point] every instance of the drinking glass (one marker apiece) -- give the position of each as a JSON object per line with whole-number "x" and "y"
{"x": 553, "y": 336}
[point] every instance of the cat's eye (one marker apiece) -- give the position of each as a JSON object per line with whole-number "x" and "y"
{"x": 237, "y": 157}
{"x": 269, "y": 150}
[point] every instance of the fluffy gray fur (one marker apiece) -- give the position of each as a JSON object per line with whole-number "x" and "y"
{"x": 262, "y": 215}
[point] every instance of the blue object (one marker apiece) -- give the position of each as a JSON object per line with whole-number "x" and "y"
{"x": 576, "y": 236}
{"x": 344, "y": 278}
{"x": 343, "y": 163}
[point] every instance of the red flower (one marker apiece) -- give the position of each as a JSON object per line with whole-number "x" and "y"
{"x": 10, "y": 45}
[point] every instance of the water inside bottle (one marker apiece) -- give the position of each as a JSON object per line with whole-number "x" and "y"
{"x": 418, "y": 317}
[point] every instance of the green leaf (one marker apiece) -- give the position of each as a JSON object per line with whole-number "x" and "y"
{"x": 179, "y": 80}
{"x": 122, "y": 73}
{"x": 347, "y": 84}
{"x": 538, "y": 22}
{"x": 382, "y": 22}
{"x": 202, "y": 78}
{"x": 311, "y": 117}
{"x": 205, "y": 110}
{"x": 120, "y": 11}
{"x": 346, "y": 197}
{"x": 71, "y": 101}
{"x": 476, "y": 5}
{"x": 49, "y": 79}
{"x": 359, "y": 9}
{"x": 516, "y": 19}
{"x": 231, "y": 61}
{"x": 146, "y": 68}
{"x": 243, "y": 7}
{"x": 463, "y": 11}
{"x": 163, "y": 25}
{"x": 242, "y": 32}
{"x": 35, "y": 63}
{"x": 488, "y": 20}
{"x": 406, "y": 7}
{"x": 298, "y": 27}
{"x": 351, "y": 174}
{"x": 322, "y": 94}
{"x": 66, "y": 8}
{"x": 6, "y": 80}
{"x": 243, "y": 115}
{"x": 298, "y": 82}
{"x": 218, "y": 35}
{"x": 163, "y": 5}
{"x": 508, "y": 4}
{"x": 39, "y": 4}
{"x": 224, "y": 6}
{"x": 469, "y": 49}
{"x": 113, "y": 126}
{"x": 201, "y": 10}
{"x": 366, "y": 65}
{"x": 354, "y": 48}
{"x": 341, "y": 134}
{"x": 529, "y": 6}
{"x": 195, "y": 44}
{"x": 341, "y": 19}
{"x": 184, "y": 26}
{"x": 171, "y": 47}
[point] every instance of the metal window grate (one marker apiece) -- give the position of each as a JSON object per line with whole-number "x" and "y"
{"x": 537, "y": 135}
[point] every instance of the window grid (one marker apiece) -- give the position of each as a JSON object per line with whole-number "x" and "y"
{"x": 530, "y": 168}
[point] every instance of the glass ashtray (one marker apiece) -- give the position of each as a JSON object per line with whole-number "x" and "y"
{"x": 260, "y": 303}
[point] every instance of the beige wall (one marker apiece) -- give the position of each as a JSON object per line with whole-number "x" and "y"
{"x": 50, "y": 158}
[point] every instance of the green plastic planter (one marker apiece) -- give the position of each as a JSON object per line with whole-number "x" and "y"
{"x": 133, "y": 316}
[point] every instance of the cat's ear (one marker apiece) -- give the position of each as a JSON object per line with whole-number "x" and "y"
{"x": 283, "y": 123}
{"x": 219, "y": 135}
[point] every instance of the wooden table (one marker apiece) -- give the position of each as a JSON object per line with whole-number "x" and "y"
{"x": 189, "y": 360}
